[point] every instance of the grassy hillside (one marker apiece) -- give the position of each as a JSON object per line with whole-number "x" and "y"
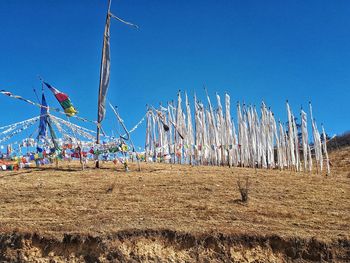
{"x": 174, "y": 212}
{"x": 339, "y": 142}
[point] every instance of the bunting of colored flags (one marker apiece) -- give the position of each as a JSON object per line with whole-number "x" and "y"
{"x": 211, "y": 137}
{"x": 11, "y": 130}
{"x": 69, "y": 132}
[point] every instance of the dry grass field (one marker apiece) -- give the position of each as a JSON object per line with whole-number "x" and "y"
{"x": 174, "y": 213}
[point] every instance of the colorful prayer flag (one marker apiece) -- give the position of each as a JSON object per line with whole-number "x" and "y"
{"x": 64, "y": 100}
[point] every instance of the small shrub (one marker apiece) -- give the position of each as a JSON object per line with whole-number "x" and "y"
{"x": 244, "y": 189}
{"x": 110, "y": 188}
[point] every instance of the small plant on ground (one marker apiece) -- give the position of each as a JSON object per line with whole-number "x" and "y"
{"x": 243, "y": 188}
{"x": 110, "y": 188}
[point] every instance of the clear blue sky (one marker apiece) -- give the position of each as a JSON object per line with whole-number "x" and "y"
{"x": 254, "y": 50}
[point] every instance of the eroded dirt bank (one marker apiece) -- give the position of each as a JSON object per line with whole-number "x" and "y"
{"x": 168, "y": 246}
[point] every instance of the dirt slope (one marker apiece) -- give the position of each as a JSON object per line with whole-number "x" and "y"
{"x": 167, "y": 246}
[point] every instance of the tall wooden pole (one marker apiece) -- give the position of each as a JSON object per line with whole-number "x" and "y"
{"x": 98, "y": 108}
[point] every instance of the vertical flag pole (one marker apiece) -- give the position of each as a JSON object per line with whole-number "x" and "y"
{"x": 105, "y": 72}
{"x": 101, "y": 79}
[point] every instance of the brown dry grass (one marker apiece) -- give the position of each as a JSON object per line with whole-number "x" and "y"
{"x": 181, "y": 198}
{"x": 340, "y": 162}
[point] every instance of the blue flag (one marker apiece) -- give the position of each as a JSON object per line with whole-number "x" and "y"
{"x": 43, "y": 118}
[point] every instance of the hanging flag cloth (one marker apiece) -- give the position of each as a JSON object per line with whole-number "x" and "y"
{"x": 53, "y": 135}
{"x": 43, "y": 118}
{"x": 64, "y": 100}
{"x": 106, "y": 64}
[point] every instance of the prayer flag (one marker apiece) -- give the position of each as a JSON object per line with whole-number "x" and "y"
{"x": 104, "y": 73}
{"x": 64, "y": 100}
{"x": 43, "y": 118}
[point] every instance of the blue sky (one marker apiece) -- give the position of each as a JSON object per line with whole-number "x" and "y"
{"x": 254, "y": 50}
